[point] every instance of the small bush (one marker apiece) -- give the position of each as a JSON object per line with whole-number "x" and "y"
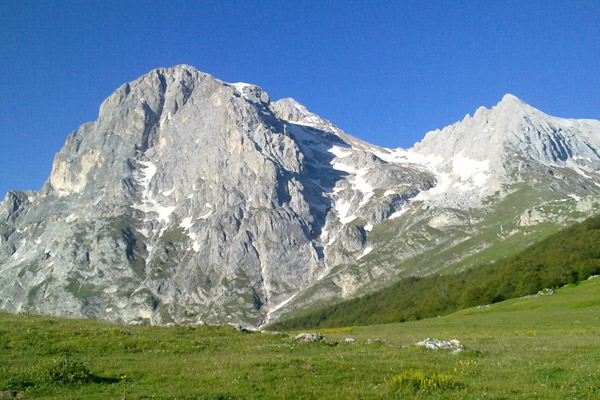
{"x": 66, "y": 371}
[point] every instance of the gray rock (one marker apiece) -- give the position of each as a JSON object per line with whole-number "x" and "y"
{"x": 545, "y": 292}
{"x": 349, "y": 340}
{"x": 433, "y": 344}
{"x": 308, "y": 337}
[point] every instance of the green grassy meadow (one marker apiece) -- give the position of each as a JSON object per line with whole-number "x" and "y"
{"x": 545, "y": 347}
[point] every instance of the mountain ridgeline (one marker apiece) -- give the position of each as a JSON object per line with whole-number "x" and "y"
{"x": 195, "y": 200}
{"x": 569, "y": 256}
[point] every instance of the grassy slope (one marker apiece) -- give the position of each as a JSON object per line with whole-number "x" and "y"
{"x": 544, "y": 347}
{"x": 568, "y": 256}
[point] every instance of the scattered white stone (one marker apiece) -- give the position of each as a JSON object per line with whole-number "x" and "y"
{"x": 592, "y": 277}
{"x": 433, "y": 344}
{"x": 308, "y": 337}
{"x": 349, "y": 340}
{"x": 545, "y": 292}
{"x": 483, "y": 307}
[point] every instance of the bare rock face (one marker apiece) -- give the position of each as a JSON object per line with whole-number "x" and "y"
{"x": 183, "y": 201}
{"x": 194, "y": 200}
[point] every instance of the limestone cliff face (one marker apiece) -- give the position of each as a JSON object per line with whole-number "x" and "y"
{"x": 191, "y": 199}
{"x": 183, "y": 201}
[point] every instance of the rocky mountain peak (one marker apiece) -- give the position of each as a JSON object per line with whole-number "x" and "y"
{"x": 511, "y": 100}
{"x": 252, "y": 92}
{"x": 192, "y": 199}
{"x": 291, "y": 110}
{"x": 512, "y": 127}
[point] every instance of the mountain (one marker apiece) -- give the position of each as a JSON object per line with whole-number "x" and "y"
{"x": 191, "y": 199}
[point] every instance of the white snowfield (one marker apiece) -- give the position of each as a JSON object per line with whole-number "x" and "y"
{"x": 149, "y": 203}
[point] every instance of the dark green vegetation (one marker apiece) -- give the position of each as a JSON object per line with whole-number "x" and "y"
{"x": 568, "y": 256}
{"x": 544, "y": 347}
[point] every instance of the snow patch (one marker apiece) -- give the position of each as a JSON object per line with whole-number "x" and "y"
{"x": 149, "y": 204}
{"x": 340, "y": 152}
{"x": 208, "y": 214}
{"x": 342, "y": 208}
{"x": 343, "y": 167}
{"x": 458, "y": 179}
{"x": 195, "y": 245}
{"x": 186, "y": 223}
{"x": 147, "y": 173}
{"x": 366, "y": 251}
{"x": 398, "y": 213}
{"x": 471, "y": 170}
{"x": 277, "y": 307}
{"x": 360, "y": 183}
{"x": 164, "y": 212}
{"x": 242, "y": 87}
{"x": 402, "y": 156}
{"x": 357, "y": 182}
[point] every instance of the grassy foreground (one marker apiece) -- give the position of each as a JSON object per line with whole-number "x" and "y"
{"x": 540, "y": 347}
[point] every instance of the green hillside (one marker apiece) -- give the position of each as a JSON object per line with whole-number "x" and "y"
{"x": 568, "y": 256}
{"x": 539, "y": 347}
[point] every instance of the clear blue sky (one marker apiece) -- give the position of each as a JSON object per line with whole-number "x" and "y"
{"x": 384, "y": 71}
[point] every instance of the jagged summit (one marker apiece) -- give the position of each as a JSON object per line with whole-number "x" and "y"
{"x": 290, "y": 110}
{"x": 511, "y": 99}
{"x": 192, "y": 199}
{"x": 510, "y": 126}
{"x": 511, "y": 109}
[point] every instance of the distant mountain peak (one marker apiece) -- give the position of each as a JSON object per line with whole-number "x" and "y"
{"x": 511, "y": 98}
{"x": 511, "y": 104}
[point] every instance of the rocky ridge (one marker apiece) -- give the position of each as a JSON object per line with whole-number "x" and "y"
{"x": 191, "y": 199}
